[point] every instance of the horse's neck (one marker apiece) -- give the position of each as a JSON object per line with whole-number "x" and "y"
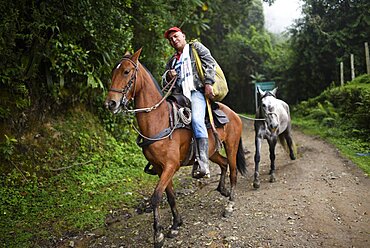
{"x": 282, "y": 112}
{"x": 147, "y": 95}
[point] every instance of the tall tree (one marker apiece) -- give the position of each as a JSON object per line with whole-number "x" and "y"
{"x": 328, "y": 33}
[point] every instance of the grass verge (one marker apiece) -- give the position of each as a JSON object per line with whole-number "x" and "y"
{"x": 66, "y": 176}
{"x": 350, "y": 147}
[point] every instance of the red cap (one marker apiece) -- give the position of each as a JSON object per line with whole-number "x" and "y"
{"x": 170, "y": 30}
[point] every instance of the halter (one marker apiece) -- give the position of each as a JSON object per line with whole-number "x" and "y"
{"x": 128, "y": 87}
{"x": 265, "y": 114}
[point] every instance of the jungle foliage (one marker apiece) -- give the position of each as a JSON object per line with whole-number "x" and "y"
{"x": 328, "y": 32}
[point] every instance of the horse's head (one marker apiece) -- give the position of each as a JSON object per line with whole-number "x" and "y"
{"x": 268, "y": 109}
{"x": 123, "y": 87}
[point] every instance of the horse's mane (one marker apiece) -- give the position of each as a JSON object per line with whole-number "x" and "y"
{"x": 128, "y": 56}
{"x": 154, "y": 80}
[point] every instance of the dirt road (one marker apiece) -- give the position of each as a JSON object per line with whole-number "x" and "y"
{"x": 319, "y": 200}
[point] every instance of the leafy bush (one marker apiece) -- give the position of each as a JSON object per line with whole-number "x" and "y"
{"x": 66, "y": 175}
{"x": 346, "y": 106}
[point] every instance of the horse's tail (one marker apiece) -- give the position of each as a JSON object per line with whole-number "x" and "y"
{"x": 241, "y": 163}
{"x": 282, "y": 142}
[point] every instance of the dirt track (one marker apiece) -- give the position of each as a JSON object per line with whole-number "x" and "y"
{"x": 319, "y": 200}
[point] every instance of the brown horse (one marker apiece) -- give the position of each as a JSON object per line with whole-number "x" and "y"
{"x": 131, "y": 81}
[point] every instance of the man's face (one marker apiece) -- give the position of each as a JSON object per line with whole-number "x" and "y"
{"x": 177, "y": 40}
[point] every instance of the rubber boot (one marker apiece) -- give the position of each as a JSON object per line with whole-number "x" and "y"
{"x": 201, "y": 167}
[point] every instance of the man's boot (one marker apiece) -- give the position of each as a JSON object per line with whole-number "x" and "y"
{"x": 201, "y": 167}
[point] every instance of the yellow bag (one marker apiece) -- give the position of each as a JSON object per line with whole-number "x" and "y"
{"x": 220, "y": 88}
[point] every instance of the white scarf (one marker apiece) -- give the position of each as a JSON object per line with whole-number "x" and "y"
{"x": 186, "y": 73}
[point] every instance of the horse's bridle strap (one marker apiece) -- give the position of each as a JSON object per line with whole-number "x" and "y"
{"x": 130, "y": 82}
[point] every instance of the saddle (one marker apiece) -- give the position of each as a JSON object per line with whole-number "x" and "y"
{"x": 179, "y": 106}
{"x": 180, "y": 117}
{"x": 181, "y": 101}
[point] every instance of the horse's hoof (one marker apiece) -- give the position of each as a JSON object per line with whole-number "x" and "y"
{"x": 272, "y": 179}
{"x": 199, "y": 174}
{"x": 229, "y": 209}
{"x": 159, "y": 240}
{"x": 172, "y": 233}
{"x": 256, "y": 184}
{"x": 223, "y": 191}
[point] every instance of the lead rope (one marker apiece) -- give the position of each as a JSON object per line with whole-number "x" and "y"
{"x": 250, "y": 118}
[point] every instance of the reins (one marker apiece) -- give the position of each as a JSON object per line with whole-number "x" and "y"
{"x": 132, "y": 81}
{"x": 168, "y": 131}
{"x": 155, "y": 106}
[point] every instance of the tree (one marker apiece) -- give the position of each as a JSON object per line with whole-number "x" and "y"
{"x": 329, "y": 32}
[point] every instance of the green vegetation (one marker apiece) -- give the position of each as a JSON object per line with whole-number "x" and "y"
{"x": 66, "y": 176}
{"x": 341, "y": 115}
{"x": 327, "y": 34}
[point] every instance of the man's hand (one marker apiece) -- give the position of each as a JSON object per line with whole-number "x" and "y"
{"x": 208, "y": 91}
{"x": 170, "y": 75}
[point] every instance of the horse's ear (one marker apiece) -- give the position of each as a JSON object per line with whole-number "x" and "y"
{"x": 274, "y": 91}
{"x": 261, "y": 92}
{"x": 136, "y": 55}
{"x": 127, "y": 53}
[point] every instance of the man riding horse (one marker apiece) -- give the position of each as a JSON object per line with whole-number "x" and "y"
{"x": 182, "y": 65}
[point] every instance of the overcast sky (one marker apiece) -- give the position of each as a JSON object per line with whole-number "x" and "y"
{"x": 281, "y": 14}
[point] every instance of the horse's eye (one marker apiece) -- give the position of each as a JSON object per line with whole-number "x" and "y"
{"x": 263, "y": 105}
{"x": 127, "y": 71}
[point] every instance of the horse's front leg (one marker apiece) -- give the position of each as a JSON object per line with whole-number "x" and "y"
{"x": 165, "y": 179}
{"x": 158, "y": 234}
{"x": 272, "y": 144}
{"x": 257, "y": 158}
{"x": 177, "y": 221}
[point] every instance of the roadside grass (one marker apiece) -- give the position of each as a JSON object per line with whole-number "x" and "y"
{"x": 340, "y": 115}
{"x": 353, "y": 148}
{"x": 68, "y": 180}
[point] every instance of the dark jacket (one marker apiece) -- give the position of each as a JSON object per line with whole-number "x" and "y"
{"x": 208, "y": 65}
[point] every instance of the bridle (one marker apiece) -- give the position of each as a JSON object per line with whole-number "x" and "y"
{"x": 132, "y": 82}
{"x": 268, "y": 115}
{"x": 124, "y": 100}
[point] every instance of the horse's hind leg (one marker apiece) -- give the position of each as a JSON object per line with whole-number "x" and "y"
{"x": 290, "y": 143}
{"x": 177, "y": 221}
{"x": 222, "y": 162}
